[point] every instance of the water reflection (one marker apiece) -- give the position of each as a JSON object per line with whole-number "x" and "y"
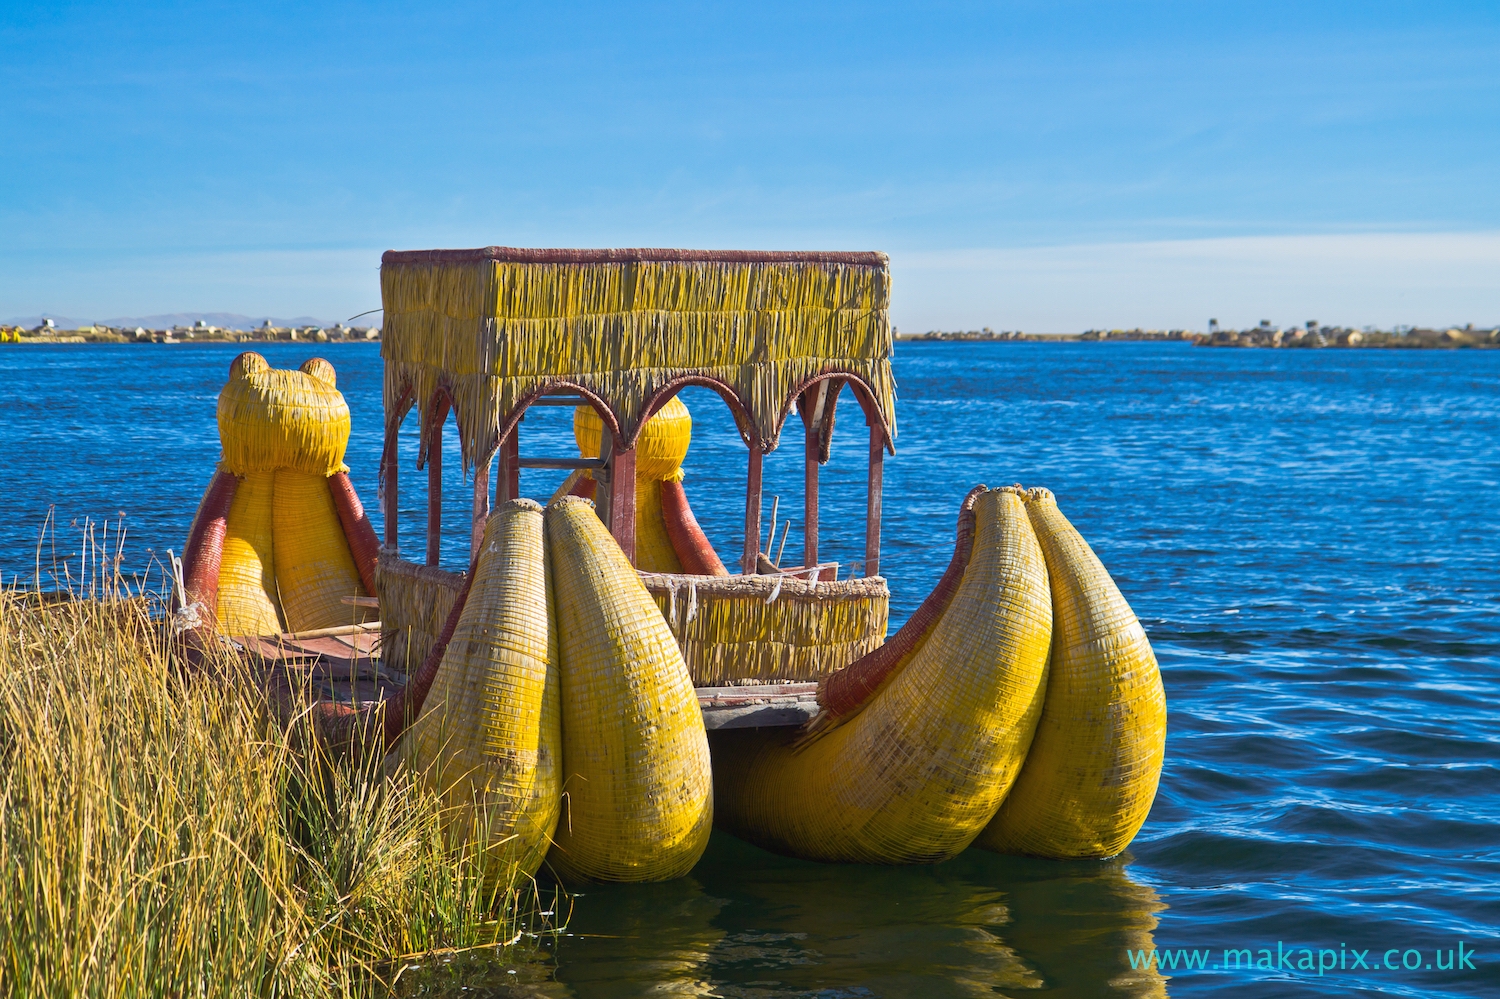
{"x": 751, "y": 925}
{"x": 637, "y": 940}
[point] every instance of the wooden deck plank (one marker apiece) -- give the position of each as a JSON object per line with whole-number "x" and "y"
{"x": 764, "y": 705}
{"x": 347, "y": 668}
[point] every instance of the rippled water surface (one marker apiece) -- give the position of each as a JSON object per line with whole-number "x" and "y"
{"x": 1310, "y": 538}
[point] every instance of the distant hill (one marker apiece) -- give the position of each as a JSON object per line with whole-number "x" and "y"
{"x": 223, "y": 320}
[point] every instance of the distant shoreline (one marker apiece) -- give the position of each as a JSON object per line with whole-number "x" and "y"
{"x": 1311, "y": 336}
{"x": 192, "y": 334}
{"x": 1259, "y": 337}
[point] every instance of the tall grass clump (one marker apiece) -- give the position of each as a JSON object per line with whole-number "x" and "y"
{"x": 161, "y": 834}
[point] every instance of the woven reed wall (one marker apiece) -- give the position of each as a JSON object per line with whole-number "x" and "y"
{"x": 491, "y": 331}
{"x": 414, "y": 604}
{"x": 734, "y": 629}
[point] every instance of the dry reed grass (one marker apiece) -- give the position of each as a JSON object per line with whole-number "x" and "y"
{"x": 161, "y": 835}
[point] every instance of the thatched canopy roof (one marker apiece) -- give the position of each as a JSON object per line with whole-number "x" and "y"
{"x": 491, "y": 329}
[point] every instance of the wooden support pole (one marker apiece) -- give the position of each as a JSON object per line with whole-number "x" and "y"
{"x": 513, "y": 462}
{"x": 508, "y": 467}
{"x": 872, "y": 500}
{"x": 752, "y": 512}
{"x": 390, "y": 467}
{"x": 435, "y": 487}
{"x": 481, "y": 506}
{"x": 603, "y": 496}
{"x": 810, "y": 497}
{"x": 815, "y": 409}
{"x": 621, "y": 522}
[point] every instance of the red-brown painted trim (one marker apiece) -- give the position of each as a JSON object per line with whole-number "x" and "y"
{"x": 810, "y": 460}
{"x": 512, "y": 419}
{"x": 874, "y": 495}
{"x": 388, "y": 484}
{"x": 750, "y": 560}
{"x": 847, "y": 690}
{"x": 434, "y": 455}
{"x": 863, "y": 394}
{"x": 692, "y": 546}
{"x": 358, "y": 531}
{"x": 526, "y": 255}
{"x": 204, "y": 551}
{"x": 622, "y": 501}
{"x": 738, "y": 408}
{"x": 806, "y": 405}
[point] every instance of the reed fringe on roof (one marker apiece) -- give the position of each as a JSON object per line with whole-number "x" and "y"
{"x": 734, "y": 629}
{"x": 270, "y": 418}
{"x": 414, "y": 605}
{"x": 489, "y": 331}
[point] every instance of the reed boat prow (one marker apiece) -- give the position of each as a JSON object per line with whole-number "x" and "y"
{"x": 799, "y": 694}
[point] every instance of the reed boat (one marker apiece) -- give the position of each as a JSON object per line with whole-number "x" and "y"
{"x": 598, "y": 689}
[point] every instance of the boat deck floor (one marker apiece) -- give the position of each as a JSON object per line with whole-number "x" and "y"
{"x": 346, "y": 669}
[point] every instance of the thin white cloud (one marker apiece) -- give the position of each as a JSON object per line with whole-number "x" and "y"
{"x": 1353, "y": 279}
{"x": 1356, "y": 279}
{"x": 333, "y": 284}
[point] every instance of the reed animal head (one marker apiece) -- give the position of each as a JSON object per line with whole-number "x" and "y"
{"x": 271, "y": 418}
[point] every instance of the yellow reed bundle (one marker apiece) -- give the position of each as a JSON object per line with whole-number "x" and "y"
{"x": 314, "y": 567}
{"x": 916, "y": 775}
{"x": 662, "y": 445}
{"x": 247, "y": 581}
{"x": 415, "y": 601}
{"x": 489, "y": 739}
{"x": 733, "y": 629}
{"x": 1092, "y": 772}
{"x": 637, "y": 787}
{"x": 270, "y": 419}
{"x": 490, "y": 331}
{"x": 653, "y": 546}
{"x": 659, "y": 450}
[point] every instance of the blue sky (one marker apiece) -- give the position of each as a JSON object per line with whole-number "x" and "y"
{"x": 1044, "y": 166}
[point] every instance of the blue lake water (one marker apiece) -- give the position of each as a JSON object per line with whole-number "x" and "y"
{"x": 1311, "y": 539}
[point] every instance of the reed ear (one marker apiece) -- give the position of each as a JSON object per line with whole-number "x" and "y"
{"x": 320, "y": 369}
{"x": 249, "y": 363}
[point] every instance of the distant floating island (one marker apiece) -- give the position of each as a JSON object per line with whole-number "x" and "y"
{"x": 965, "y": 336}
{"x": 1312, "y": 334}
{"x": 198, "y": 332}
{"x": 1309, "y": 335}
